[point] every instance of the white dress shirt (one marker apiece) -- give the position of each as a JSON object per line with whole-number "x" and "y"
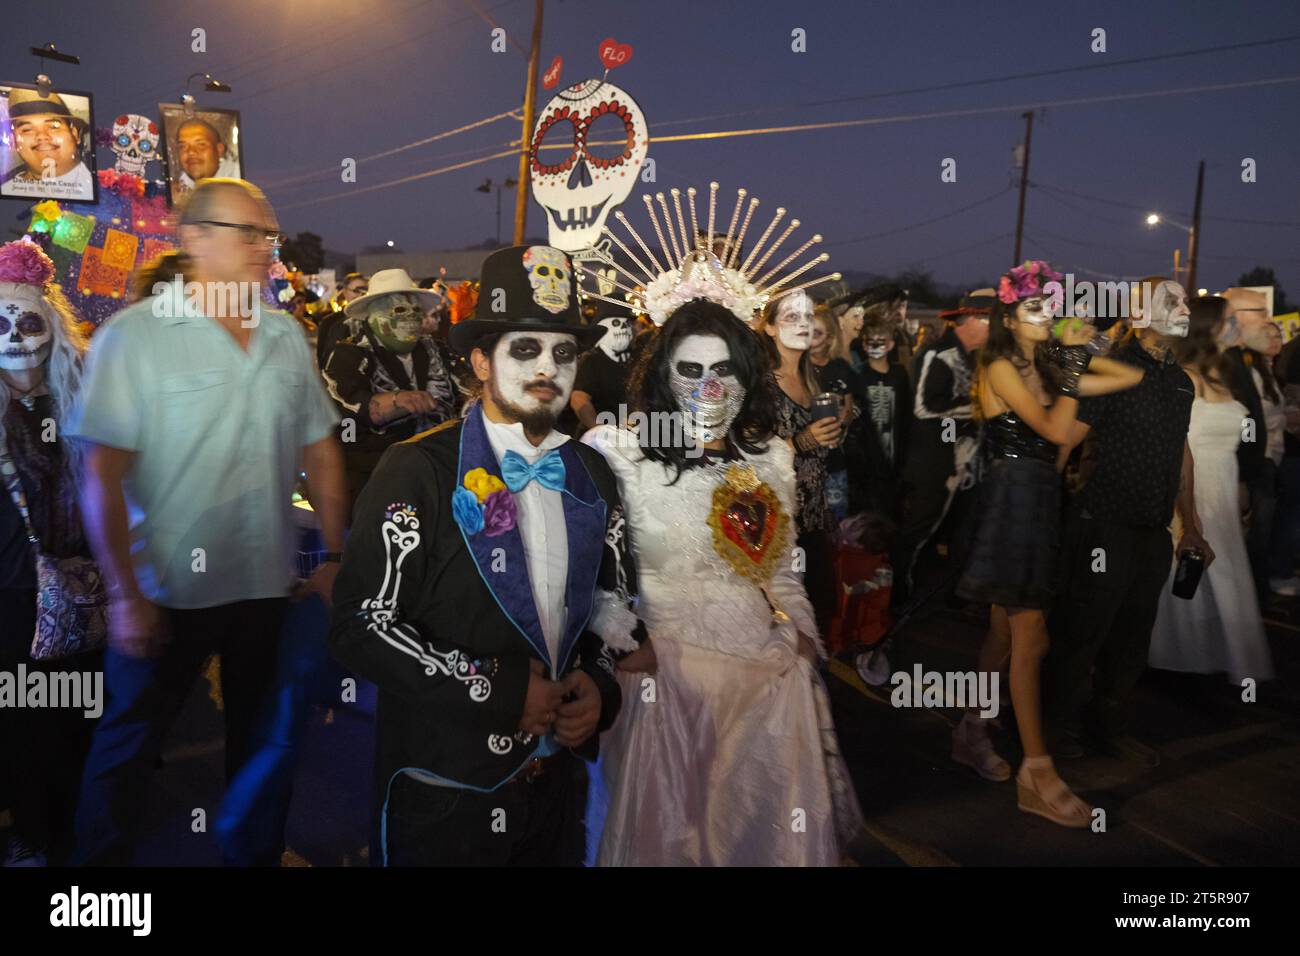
{"x": 542, "y": 528}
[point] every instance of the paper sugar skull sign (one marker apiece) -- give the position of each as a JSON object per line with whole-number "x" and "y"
{"x": 578, "y": 176}
{"x": 135, "y": 141}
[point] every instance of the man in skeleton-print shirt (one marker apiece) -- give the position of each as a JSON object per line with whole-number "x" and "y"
{"x": 390, "y": 380}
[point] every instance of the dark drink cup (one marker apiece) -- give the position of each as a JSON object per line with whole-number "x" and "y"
{"x": 1191, "y": 564}
{"x": 825, "y": 405}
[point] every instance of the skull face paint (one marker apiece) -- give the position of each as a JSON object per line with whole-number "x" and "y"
{"x": 135, "y": 140}
{"x": 532, "y": 376}
{"x": 581, "y": 187}
{"x": 549, "y": 276}
{"x": 617, "y": 342}
{"x": 1169, "y": 312}
{"x": 1037, "y": 310}
{"x": 395, "y": 320}
{"x": 794, "y": 321}
{"x": 705, "y": 387}
{"x": 878, "y": 345}
{"x": 25, "y": 335}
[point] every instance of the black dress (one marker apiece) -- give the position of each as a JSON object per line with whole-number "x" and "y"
{"x": 1012, "y": 556}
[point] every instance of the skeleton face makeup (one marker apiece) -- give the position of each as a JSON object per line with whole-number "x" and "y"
{"x": 705, "y": 386}
{"x": 532, "y": 376}
{"x": 396, "y": 319}
{"x": 617, "y": 342}
{"x": 1037, "y": 310}
{"x": 24, "y": 335}
{"x": 794, "y": 321}
{"x": 878, "y": 345}
{"x": 1169, "y": 313}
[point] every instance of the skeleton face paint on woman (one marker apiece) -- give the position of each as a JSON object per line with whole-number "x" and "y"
{"x": 794, "y": 321}
{"x": 704, "y": 384}
{"x": 396, "y": 320}
{"x": 1037, "y": 311}
{"x": 24, "y": 335}
{"x": 532, "y": 376}
{"x": 617, "y": 342}
{"x": 1169, "y": 312}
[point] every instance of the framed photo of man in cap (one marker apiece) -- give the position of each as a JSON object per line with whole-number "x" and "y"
{"x": 199, "y": 144}
{"x": 47, "y": 145}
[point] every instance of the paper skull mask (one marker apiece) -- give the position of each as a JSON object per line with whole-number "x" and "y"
{"x": 582, "y": 184}
{"x": 135, "y": 140}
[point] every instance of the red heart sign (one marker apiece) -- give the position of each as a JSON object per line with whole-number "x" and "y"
{"x": 552, "y": 74}
{"x": 614, "y": 54}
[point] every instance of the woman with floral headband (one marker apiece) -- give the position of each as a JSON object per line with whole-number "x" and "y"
{"x": 1027, "y": 390}
{"x": 41, "y": 749}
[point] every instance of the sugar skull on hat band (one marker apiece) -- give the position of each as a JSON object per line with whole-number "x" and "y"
{"x": 548, "y": 274}
{"x": 581, "y": 187}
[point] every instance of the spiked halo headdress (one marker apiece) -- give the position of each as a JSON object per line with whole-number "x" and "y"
{"x": 694, "y": 271}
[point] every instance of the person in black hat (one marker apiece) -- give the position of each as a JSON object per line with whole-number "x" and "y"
{"x": 485, "y": 571}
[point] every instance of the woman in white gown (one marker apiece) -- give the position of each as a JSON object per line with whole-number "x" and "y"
{"x": 1219, "y": 630}
{"x": 723, "y": 753}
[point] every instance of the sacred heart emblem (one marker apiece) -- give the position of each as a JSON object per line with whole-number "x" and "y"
{"x": 750, "y": 529}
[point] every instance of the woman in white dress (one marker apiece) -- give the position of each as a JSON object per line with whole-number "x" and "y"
{"x": 723, "y": 753}
{"x": 1219, "y": 630}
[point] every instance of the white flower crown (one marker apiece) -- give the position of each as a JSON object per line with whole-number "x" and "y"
{"x": 699, "y": 273}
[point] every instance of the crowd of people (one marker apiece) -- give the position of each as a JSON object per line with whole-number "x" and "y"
{"x": 532, "y": 584}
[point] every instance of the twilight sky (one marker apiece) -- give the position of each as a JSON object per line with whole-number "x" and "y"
{"x": 320, "y": 80}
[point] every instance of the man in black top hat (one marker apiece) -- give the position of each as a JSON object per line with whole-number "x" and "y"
{"x": 468, "y": 588}
{"x": 601, "y": 385}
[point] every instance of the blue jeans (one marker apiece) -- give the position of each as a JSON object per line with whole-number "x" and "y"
{"x": 145, "y": 695}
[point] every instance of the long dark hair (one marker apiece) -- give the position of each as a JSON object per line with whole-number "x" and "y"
{"x": 1200, "y": 348}
{"x": 1002, "y": 344}
{"x": 807, "y": 372}
{"x": 649, "y": 390}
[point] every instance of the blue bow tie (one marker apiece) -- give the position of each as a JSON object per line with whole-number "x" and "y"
{"x": 517, "y": 473}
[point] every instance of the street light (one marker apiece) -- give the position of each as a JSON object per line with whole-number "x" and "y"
{"x": 1155, "y": 219}
{"x": 487, "y": 187}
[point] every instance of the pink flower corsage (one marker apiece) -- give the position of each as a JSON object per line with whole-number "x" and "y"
{"x": 499, "y": 513}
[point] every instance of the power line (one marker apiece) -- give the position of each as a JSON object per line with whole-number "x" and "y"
{"x": 512, "y": 114}
{"x": 397, "y": 182}
{"x": 1128, "y": 205}
{"x": 924, "y": 222}
{"x": 964, "y": 84}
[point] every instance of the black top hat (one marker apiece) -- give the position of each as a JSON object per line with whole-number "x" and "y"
{"x": 521, "y": 289}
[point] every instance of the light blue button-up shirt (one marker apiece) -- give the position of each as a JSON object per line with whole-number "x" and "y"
{"x": 218, "y": 435}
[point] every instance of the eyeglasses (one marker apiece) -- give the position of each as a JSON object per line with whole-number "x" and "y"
{"x": 249, "y": 233}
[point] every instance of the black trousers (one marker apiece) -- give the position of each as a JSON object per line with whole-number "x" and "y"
{"x": 537, "y": 823}
{"x": 42, "y": 750}
{"x": 1101, "y": 622}
{"x": 927, "y": 506}
{"x": 145, "y": 695}
{"x": 819, "y": 576}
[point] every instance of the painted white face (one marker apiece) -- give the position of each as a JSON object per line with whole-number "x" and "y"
{"x": 25, "y": 335}
{"x": 705, "y": 386}
{"x": 878, "y": 345}
{"x": 580, "y": 185}
{"x": 617, "y": 342}
{"x": 533, "y": 372}
{"x": 1037, "y": 310}
{"x": 794, "y": 321}
{"x": 1169, "y": 312}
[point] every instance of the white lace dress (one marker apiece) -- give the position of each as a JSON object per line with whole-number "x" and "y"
{"x": 727, "y": 756}
{"x": 1219, "y": 630}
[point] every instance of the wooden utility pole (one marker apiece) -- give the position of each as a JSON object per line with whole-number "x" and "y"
{"x": 1024, "y": 184}
{"x": 1195, "y": 236}
{"x": 530, "y": 109}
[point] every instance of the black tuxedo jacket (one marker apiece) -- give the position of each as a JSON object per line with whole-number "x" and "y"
{"x": 441, "y": 616}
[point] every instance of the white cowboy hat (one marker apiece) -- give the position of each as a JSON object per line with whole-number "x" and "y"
{"x": 386, "y": 282}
